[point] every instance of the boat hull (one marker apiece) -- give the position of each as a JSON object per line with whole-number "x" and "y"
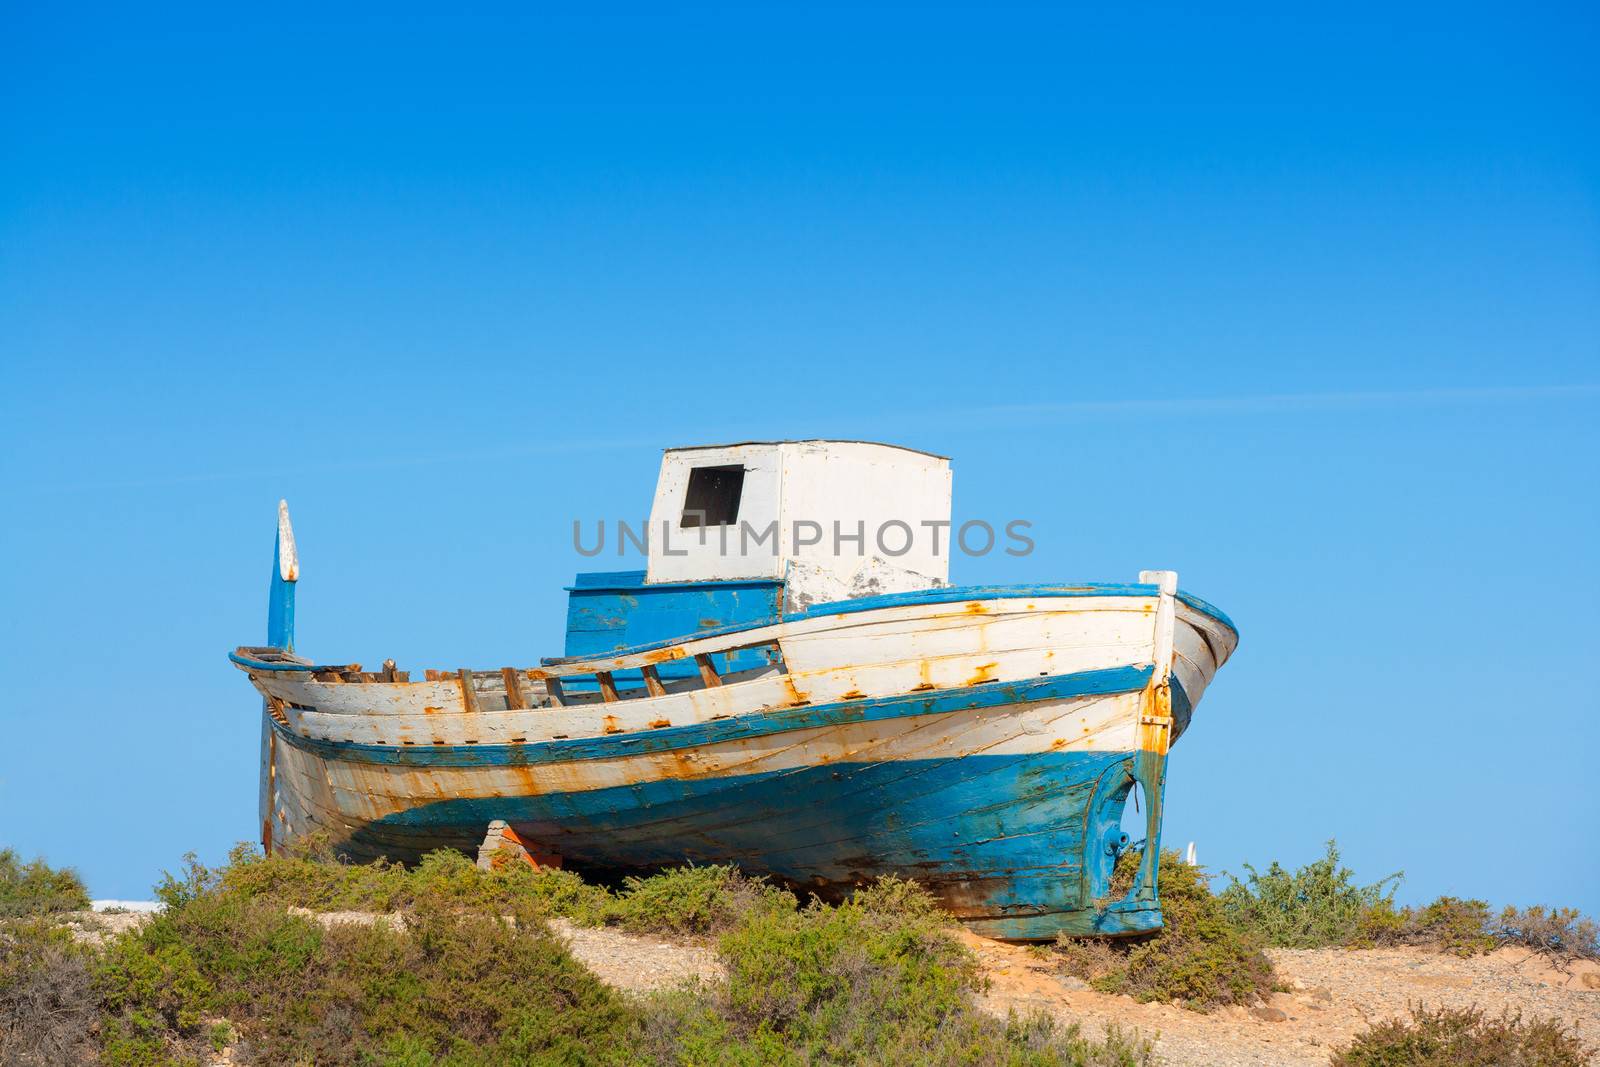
{"x": 940, "y": 752}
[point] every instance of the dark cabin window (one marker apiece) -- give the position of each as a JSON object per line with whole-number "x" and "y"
{"x": 713, "y": 496}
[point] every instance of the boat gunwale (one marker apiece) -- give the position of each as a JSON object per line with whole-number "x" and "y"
{"x": 937, "y": 595}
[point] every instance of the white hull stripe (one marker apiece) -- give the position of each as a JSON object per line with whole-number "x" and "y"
{"x": 986, "y": 695}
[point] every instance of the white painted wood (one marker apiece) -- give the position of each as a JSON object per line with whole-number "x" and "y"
{"x": 802, "y": 490}
{"x": 354, "y": 793}
{"x": 288, "y": 561}
{"x": 1167, "y": 582}
{"x": 713, "y": 553}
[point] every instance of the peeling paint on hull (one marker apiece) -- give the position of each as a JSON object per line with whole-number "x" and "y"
{"x": 1000, "y": 839}
{"x": 1004, "y": 798}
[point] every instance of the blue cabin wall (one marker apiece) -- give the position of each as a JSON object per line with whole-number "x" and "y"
{"x": 612, "y": 610}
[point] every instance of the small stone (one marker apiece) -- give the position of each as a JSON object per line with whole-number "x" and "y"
{"x": 1591, "y": 980}
{"x": 1072, "y": 982}
{"x": 1270, "y": 1015}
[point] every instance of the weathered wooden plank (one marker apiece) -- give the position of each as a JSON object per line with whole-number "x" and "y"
{"x": 514, "y": 697}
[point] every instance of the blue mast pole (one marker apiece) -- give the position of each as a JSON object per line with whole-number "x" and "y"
{"x": 285, "y": 573}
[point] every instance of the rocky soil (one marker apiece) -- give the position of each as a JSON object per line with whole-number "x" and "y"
{"x": 635, "y": 962}
{"x": 1336, "y": 994}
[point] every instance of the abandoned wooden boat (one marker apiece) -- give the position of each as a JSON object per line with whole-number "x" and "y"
{"x": 818, "y": 715}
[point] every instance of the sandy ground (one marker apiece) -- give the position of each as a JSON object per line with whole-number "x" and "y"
{"x": 1337, "y": 993}
{"x": 638, "y": 963}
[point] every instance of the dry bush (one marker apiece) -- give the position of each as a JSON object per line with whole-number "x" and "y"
{"x": 1463, "y": 1037}
{"x": 1563, "y": 934}
{"x": 47, "y": 1006}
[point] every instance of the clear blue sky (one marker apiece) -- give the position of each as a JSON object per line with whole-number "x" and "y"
{"x": 1305, "y": 308}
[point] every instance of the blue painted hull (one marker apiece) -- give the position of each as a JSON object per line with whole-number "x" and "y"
{"x": 1023, "y": 845}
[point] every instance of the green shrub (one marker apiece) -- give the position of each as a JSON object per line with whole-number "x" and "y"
{"x": 36, "y": 888}
{"x": 564, "y": 893}
{"x": 1321, "y": 905}
{"x": 221, "y": 1035}
{"x": 151, "y": 981}
{"x": 473, "y": 988}
{"x": 690, "y": 900}
{"x": 1200, "y": 957}
{"x": 470, "y": 987}
{"x": 1449, "y": 924}
{"x": 47, "y": 1007}
{"x": 685, "y": 900}
{"x": 877, "y": 979}
{"x": 309, "y": 877}
{"x": 1463, "y": 1037}
{"x": 1313, "y": 907}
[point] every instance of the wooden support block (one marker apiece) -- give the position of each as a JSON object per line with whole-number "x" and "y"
{"x": 552, "y": 686}
{"x": 608, "y": 688}
{"x": 708, "y": 673}
{"x": 469, "y": 695}
{"x": 388, "y": 670}
{"x": 652, "y": 681}
{"x": 514, "y": 698}
{"x": 503, "y": 845}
